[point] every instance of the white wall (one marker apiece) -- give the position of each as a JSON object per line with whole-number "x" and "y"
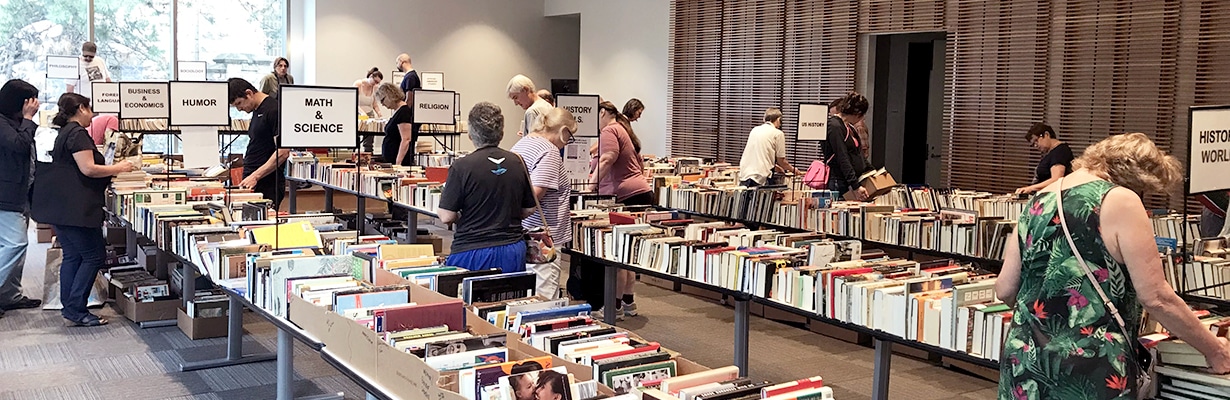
{"x": 478, "y": 44}
{"x": 624, "y": 55}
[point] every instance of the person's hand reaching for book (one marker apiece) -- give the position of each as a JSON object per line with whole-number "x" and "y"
{"x": 861, "y": 193}
{"x": 1219, "y": 362}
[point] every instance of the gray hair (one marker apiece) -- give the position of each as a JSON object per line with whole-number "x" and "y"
{"x": 387, "y": 91}
{"x": 486, "y": 125}
{"x": 772, "y": 114}
{"x": 519, "y": 83}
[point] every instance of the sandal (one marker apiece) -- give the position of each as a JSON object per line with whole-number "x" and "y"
{"x": 89, "y": 320}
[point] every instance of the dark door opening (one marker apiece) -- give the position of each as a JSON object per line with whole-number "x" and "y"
{"x": 917, "y": 99}
{"x": 907, "y": 112}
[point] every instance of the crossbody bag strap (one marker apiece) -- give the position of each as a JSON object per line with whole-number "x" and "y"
{"x": 1114, "y": 312}
{"x": 537, "y": 207}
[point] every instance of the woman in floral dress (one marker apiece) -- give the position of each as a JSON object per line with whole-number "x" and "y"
{"x": 1063, "y": 342}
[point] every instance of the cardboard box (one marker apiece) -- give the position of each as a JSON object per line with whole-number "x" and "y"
{"x": 116, "y": 236}
{"x": 160, "y": 310}
{"x": 659, "y": 282}
{"x": 839, "y": 333}
{"x": 701, "y": 293}
{"x": 45, "y": 235}
{"x": 437, "y": 243}
{"x": 201, "y": 328}
{"x": 147, "y": 257}
{"x": 878, "y": 184}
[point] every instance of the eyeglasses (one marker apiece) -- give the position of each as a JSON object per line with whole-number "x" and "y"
{"x": 87, "y": 58}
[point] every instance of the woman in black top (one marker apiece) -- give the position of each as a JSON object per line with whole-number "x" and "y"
{"x": 1056, "y": 157}
{"x": 399, "y": 135}
{"x": 69, "y": 193}
{"x": 842, "y": 147}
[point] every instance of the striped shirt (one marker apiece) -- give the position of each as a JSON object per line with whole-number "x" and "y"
{"x": 546, "y": 169}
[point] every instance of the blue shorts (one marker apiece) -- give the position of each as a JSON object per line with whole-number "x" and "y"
{"x": 508, "y": 258}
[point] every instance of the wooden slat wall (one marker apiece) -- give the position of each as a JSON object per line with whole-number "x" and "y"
{"x": 1089, "y": 68}
{"x": 694, "y": 76}
{"x": 752, "y": 43}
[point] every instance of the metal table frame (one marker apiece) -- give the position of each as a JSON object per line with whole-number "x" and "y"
{"x": 412, "y": 220}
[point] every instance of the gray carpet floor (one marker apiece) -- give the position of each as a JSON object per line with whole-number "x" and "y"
{"x": 40, "y": 358}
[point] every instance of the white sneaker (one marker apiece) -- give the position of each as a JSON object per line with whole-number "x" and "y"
{"x": 629, "y": 308}
{"x": 600, "y": 313}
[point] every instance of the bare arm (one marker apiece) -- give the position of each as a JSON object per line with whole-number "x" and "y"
{"x": 85, "y": 162}
{"x": 605, "y": 161}
{"x": 447, "y": 216}
{"x": 1129, "y": 234}
{"x": 1057, "y": 171}
{"x": 526, "y": 212}
{"x": 407, "y": 136}
{"x": 539, "y": 192}
{"x": 70, "y": 88}
{"x": 1009, "y": 280}
{"x": 786, "y": 167}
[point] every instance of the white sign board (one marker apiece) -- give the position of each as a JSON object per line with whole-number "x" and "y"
{"x": 585, "y": 108}
{"x": 434, "y": 107}
{"x": 199, "y": 104}
{"x": 577, "y": 159}
{"x": 144, "y": 100}
{"x": 190, "y": 70}
{"x": 432, "y": 81}
{"x": 396, "y": 77}
{"x": 63, "y": 67}
{"x": 1210, "y": 154}
{"x": 314, "y": 116}
{"x": 200, "y": 145}
{"x": 106, "y": 97}
{"x": 813, "y": 121}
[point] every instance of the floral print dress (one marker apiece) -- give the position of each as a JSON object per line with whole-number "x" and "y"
{"x": 1063, "y": 343}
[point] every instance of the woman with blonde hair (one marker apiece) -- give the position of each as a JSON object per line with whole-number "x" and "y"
{"x": 399, "y": 135}
{"x": 1077, "y": 272}
{"x": 540, "y": 152}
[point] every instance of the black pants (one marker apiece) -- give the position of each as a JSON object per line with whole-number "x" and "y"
{"x": 643, "y": 199}
{"x": 272, "y": 187}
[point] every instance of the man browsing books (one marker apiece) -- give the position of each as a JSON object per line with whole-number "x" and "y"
{"x": 263, "y": 161}
{"x": 765, "y": 151}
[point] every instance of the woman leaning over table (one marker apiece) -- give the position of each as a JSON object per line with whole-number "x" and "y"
{"x": 540, "y": 152}
{"x": 69, "y": 193}
{"x": 1064, "y": 342}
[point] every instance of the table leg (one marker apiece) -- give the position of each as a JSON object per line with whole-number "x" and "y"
{"x": 286, "y": 366}
{"x": 292, "y": 197}
{"x": 610, "y": 285}
{"x": 234, "y": 344}
{"x": 742, "y": 331}
{"x": 883, "y": 361}
{"x": 412, "y": 227}
{"x": 328, "y": 200}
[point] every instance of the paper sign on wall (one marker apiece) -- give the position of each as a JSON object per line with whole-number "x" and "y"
{"x": 200, "y": 146}
{"x": 199, "y": 104}
{"x": 190, "y": 70}
{"x": 106, "y": 97}
{"x": 577, "y": 159}
{"x": 813, "y": 121}
{"x": 144, "y": 100}
{"x": 63, "y": 67}
{"x": 314, "y": 116}
{"x": 396, "y": 77}
{"x": 585, "y": 108}
{"x": 1210, "y": 144}
{"x": 434, "y": 107}
{"x": 432, "y": 80}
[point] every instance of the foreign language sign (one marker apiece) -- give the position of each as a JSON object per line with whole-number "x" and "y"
{"x": 315, "y": 116}
{"x": 106, "y": 97}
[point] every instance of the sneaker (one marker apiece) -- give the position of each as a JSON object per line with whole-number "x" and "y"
{"x": 629, "y": 308}
{"x": 25, "y": 302}
{"x": 600, "y": 313}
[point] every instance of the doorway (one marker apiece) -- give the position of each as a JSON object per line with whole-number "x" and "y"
{"x": 907, "y": 102}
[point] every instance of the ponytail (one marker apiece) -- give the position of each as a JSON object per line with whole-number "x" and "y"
{"x": 69, "y": 105}
{"x": 623, "y": 121}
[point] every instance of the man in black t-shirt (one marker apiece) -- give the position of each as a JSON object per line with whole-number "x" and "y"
{"x": 409, "y": 83}
{"x": 487, "y": 193}
{"x": 260, "y": 166}
{"x": 1056, "y": 157}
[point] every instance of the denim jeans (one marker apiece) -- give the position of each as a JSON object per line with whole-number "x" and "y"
{"x": 84, "y": 253}
{"x": 13, "y": 243}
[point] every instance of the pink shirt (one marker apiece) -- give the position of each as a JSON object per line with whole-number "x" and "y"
{"x": 626, "y": 176}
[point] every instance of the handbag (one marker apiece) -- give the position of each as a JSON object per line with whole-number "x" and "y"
{"x": 1146, "y": 383}
{"x": 539, "y": 247}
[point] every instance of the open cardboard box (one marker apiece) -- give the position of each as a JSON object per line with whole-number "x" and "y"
{"x": 201, "y": 328}
{"x": 137, "y": 311}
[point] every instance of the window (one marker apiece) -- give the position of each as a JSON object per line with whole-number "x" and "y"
{"x": 34, "y": 29}
{"x": 134, "y": 38}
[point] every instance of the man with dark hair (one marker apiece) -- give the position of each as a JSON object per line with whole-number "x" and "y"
{"x": 1056, "y": 157}
{"x": 18, "y": 105}
{"x": 486, "y": 194}
{"x": 263, "y": 161}
{"x": 93, "y": 69}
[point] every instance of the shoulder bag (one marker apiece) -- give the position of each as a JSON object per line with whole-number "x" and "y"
{"x": 817, "y": 176}
{"x": 1143, "y": 359}
{"x": 539, "y": 247}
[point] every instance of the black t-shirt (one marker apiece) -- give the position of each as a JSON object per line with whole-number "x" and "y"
{"x": 488, "y": 189}
{"x": 409, "y": 83}
{"x": 62, "y": 194}
{"x": 1060, "y": 155}
{"x": 266, "y": 120}
{"x": 392, "y": 136}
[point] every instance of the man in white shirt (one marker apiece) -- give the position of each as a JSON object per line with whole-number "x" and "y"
{"x": 521, "y": 91}
{"x": 93, "y": 69}
{"x": 766, "y": 149}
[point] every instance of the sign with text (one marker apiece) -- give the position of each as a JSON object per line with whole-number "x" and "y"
{"x": 190, "y": 70}
{"x": 199, "y": 104}
{"x": 1210, "y": 149}
{"x": 315, "y": 116}
{"x": 396, "y": 77}
{"x": 585, "y": 108}
{"x": 435, "y": 107}
{"x": 144, "y": 100}
{"x": 106, "y": 97}
{"x": 432, "y": 80}
{"x": 63, "y": 67}
{"x": 813, "y": 121}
